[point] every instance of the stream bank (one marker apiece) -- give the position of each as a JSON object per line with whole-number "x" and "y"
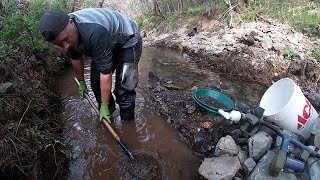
{"x": 31, "y": 143}
{"x": 256, "y": 52}
{"x": 235, "y": 57}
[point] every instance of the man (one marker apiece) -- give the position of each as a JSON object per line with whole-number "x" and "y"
{"x": 114, "y": 43}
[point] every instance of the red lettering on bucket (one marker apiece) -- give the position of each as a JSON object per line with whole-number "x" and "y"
{"x": 307, "y": 110}
{"x": 306, "y": 113}
{"x": 301, "y": 120}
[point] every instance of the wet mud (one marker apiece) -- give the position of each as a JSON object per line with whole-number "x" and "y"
{"x": 143, "y": 167}
{"x": 212, "y": 102}
{"x": 200, "y": 131}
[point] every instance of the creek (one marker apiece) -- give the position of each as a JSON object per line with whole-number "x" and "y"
{"x": 95, "y": 153}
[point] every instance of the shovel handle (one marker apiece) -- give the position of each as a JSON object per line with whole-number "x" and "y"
{"x": 108, "y": 126}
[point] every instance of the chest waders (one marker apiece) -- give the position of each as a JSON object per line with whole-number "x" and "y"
{"x": 125, "y": 63}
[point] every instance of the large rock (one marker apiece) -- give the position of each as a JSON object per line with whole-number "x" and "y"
{"x": 259, "y": 144}
{"x": 316, "y": 131}
{"x": 314, "y": 169}
{"x": 219, "y": 167}
{"x": 261, "y": 171}
{"x": 226, "y": 145}
{"x": 248, "y": 165}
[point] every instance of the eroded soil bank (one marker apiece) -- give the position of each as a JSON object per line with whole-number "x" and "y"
{"x": 31, "y": 144}
{"x": 254, "y": 51}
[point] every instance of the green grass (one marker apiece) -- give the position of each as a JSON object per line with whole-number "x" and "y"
{"x": 196, "y": 10}
{"x": 316, "y": 54}
{"x": 172, "y": 21}
{"x": 146, "y": 22}
{"x": 290, "y": 55}
{"x": 304, "y": 16}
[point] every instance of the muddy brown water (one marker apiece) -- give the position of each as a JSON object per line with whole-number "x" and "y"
{"x": 158, "y": 152}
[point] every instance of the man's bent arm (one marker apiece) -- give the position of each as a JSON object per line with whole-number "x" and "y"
{"x": 78, "y": 66}
{"x": 105, "y": 86}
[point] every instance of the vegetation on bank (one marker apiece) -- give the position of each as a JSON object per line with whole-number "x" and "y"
{"x": 31, "y": 144}
{"x": 303, "y": 15}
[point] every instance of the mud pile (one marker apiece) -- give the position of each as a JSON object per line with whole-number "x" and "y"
{"x": 143, "y": 166}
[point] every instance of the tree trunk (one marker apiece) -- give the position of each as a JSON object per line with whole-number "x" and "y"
{"x": 180, "y": 6}
{"x": 156, "y": 9}
{"x": 155, "y": 4}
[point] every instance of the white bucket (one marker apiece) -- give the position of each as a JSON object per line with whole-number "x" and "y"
{"x": 286, "y": 106}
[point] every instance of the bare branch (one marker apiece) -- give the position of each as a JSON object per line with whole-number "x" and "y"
{"x": 23, "y": 116}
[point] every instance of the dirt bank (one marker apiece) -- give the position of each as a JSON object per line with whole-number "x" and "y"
{"x": 31, "y": 145}
{"x": 255, "y": 51}
{"x": 201, "y": 132}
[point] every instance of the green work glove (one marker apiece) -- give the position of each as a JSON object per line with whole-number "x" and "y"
{"x": 82, "y": 88}
{"x": 104, "y": 112}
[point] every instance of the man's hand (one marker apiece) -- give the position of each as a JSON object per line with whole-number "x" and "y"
{"x": 82, "y": 88}
{"x": 104, "y": 112}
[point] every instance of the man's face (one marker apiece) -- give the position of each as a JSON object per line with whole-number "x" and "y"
{"x": 69, "y": 37}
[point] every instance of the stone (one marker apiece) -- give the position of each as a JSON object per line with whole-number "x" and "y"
{"x": 261, "y": 171}
{"x": 226, "y": 145}
{"x": 314, "y": 169}
{"x": 219, "y": 168}
{"x": 248, "y": 165}
{"x": 266, "y": 43}
{"x": 242, "y": 155}
{"x": 280, "y": 47}
{"x": 228, "y": 39}
{"x": 315, "y": 130}
{"x": 259, "y": 144}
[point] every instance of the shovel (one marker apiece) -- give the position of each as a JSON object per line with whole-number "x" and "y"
{"x": 108, "y": 126}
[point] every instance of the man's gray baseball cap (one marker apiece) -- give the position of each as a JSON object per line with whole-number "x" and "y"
{"x": 52, "y": 23}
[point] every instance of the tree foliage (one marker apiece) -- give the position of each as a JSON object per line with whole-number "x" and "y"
{"x": 19, "y": 30}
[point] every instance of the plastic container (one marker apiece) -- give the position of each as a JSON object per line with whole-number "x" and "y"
{"x": 286, "y": 106}
{"x": 218, "y": 96}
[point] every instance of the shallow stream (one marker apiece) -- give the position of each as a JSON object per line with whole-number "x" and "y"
{"x": 96, "y": 154}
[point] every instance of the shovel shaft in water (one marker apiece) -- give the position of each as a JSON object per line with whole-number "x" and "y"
{"x": 108, "y": 126}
